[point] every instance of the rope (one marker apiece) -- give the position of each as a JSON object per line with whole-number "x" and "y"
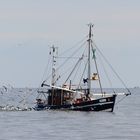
{"x": 82, "y": 74}
{"x": 107, "y": 76}
{"x": 61, "y": 54}
{"x": 113, "y": 69}
{"x": 120, "y": 100}
{"x": 49, "y": 76}
{"x": 73, "y": 69}
{"x": 45, "y": 71}
{"x": 62, "y": 65}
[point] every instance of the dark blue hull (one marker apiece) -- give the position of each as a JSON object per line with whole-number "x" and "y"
{"x": 104, "y": 103}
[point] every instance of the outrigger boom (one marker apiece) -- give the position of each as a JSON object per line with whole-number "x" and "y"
{"x": 95, "y": 94}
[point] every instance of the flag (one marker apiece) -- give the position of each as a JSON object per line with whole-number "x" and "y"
{"x": 95, "y": 76}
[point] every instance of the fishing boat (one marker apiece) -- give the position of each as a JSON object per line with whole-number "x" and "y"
{"x": 62, "y": 92}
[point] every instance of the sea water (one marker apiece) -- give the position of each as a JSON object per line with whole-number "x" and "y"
{"x": 122, "y": 124}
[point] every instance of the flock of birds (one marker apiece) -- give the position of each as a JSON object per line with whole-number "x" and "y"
{"x": 13, "y": 99}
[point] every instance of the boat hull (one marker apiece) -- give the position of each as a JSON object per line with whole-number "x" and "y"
{"x": 101, "y": 104}
{"x": 106, "y": 103}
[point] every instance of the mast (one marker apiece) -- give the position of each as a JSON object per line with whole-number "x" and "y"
{"x": 54, "y": 53}
{"x": 89, "y": 67}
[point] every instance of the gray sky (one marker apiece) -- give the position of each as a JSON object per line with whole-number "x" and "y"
{"x": 29, "y": 27}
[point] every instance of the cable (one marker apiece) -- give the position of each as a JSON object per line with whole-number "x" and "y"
{"x": 113, "y": 69}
